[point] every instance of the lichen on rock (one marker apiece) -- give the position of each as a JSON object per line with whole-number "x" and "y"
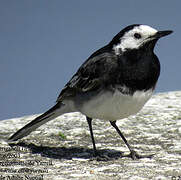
{"x": 45, "y": 154}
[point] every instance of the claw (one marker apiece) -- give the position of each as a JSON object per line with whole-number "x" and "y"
{"x": 134, "y": 155}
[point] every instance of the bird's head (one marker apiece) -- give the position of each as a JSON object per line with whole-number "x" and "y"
{"x": 135, "y": 37}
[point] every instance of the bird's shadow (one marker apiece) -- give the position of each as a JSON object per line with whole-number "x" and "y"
{"x": 69, "y": 153}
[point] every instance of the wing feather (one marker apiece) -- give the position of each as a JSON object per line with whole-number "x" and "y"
{"x": 97, "y": 71}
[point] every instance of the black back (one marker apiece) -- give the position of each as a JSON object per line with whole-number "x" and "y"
{"x": 136, "y": 69}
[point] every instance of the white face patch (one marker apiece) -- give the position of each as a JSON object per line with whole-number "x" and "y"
{"x": 129, "y": 41}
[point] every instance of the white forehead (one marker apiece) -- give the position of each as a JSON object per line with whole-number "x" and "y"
{"x": 128, "y": 41}
{"x": 143, "y": 29}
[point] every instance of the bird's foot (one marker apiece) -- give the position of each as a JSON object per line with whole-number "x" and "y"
{"x": 134, "y": 155}
{"x": 105, "y": 156}
{"x": 99, "y": 156}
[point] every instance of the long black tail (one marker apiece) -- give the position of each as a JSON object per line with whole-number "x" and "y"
{"x": 52, "y": 113}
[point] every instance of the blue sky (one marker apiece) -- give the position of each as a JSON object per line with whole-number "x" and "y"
{"x": 42, "y": 44}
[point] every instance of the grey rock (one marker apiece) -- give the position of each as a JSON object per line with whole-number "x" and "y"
{"x": 62, "y": 148}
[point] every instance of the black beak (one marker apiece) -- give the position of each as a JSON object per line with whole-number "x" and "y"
{"x": 160, "y": 34}
{"x": 156, "y": 36}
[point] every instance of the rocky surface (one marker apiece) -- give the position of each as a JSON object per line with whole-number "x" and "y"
{"x": 62, "y": 148}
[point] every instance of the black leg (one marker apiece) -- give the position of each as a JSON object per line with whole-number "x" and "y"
{"x": 133, "y": 154}
{"x": 89, "y": 121}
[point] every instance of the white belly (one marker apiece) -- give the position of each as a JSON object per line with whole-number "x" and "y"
{"x": 109, "y": 106}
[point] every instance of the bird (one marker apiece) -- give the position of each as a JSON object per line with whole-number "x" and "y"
{"x": 114, "y": 83}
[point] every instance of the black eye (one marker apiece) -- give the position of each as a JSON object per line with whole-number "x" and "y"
{"x": 137, "y": 35}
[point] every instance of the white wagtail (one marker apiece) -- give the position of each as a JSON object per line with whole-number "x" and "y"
{"x": 113, "y": 83}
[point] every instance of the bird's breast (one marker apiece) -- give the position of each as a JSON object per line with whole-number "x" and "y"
{"x": 115, "y": 105}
